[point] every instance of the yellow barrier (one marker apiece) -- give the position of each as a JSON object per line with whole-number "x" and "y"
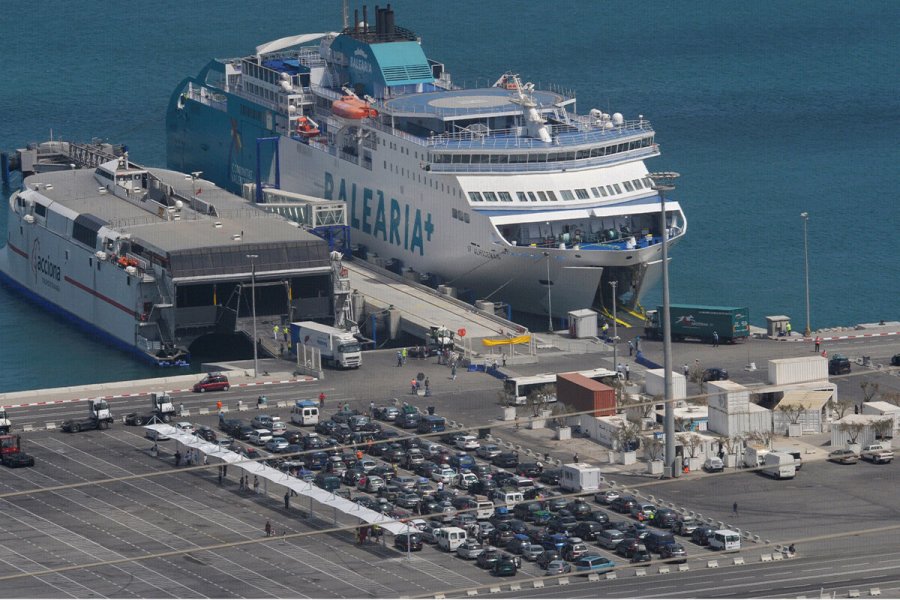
{"x": 519, "y": 339}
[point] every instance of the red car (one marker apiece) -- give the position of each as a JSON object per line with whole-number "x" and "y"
{"x": 213, "y": 382}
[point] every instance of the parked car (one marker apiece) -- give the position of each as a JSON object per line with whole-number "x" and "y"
{"x": 574, "y": 549}
{"x": 488, "y": 451}
{"x": 488, "y": 557}
{"x": 531, "y": 552}
{"x": 546, "y": 557}
{"x": 641, "y": 555}
{"x": 579, "y": 509}
{"x": 550, "y": 476}
{"x": 504, "y": 567}
{"x": 673, "y": 553}
{"x": 643, "y": 511}
{"x": 685, "y": 525}
{"x": 713, "y": 464}
{"x": 664, "y": 518}
{"x": 623, "y": 504}
{"x": 715, "y": 374}
{"x": 469, "y": 549}
{"x": 277, "y": 444}
{"x": 593, "y": 564}
{"x": 588, "y": 530}
{"x": 467, "y": 442}
{"x": 598, "y": 516}
{"x": 558, "y": 567}
{"x": 702, "y": 535}
{"x": 838, "y": 364}
{"x": 506, "y": 460}
{"x": 205, "y": 432}
{"x": 258, "y": 437}
{"x": 408, "y": 542}
{"x": 628, "y": 546}
{"x": 609, "y": 538}
{"x": 843, "y": 456}
{"x": 407, "y": 420}
{"x": 606, "y": 496}
{"x": 213, "y": 382}
{"x": 385, "y": 413}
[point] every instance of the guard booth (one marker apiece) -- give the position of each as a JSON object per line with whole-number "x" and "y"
{"x": 776, "y": 325}
{"x": 582, "y": 323}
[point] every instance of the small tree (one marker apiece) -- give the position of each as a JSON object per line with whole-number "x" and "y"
{"x": 654, "y": 447}
{"x": 560, "y": 409}
{"x": 891, "y": 397}
{"x": 505, "y": 399}
{"x": 852, "y": 430}
{"x": 840, "y": 407}
{"x": 627, "y": 436}
{"x": 884, "y": 428}
{"x": 869, "y": 390}
{"x": 792, "y": 411}
{"x": 695, "y": 374}
{"x": 733, "y": 444}
{"x": 692, "y": 443}
{"x": 763, "y": 437}
{"x": 539, "y": 398}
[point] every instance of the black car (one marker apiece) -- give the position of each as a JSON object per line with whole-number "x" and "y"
{"x": 623, "y": 504}
{"x": 715, "y": 374}
{"x": 407, "y": 421}
{"x": 15, "y": 460}
{"x": 587, "y": 530}
{"x": 628, "y": 547}
{"x": 326, "y": 427}
{"x": 579, "y": 509}
{"x": 531, "y": 470}
{"x": 481, "y": 470}
{"x": 557, "y": 503}
{"x": 546, "y": 557}
{"x": 838, "y": 365}
{"x": 504, "y": 567}
{"x": 408, "y": 542}
{"x": 895, "y": 360}
{"x": 525, "y": 510}
{"x": 564, "y": 525}
{"x": 205, "y": 433}
{"x": 487, "y": 558}
{"x": 501, "y": 537}
{"x": 243, "y": 432}
{"x": 702, "y": 535}
{"x": 550, "y": 476}
{"x": 83, "y": 424}
{"x": 598, "y": 516}
{"x": 483, "y": 487}
{"x": 506, "y": 460}
{"x": 664, "y": 518}
{"x": 229, "y": 426}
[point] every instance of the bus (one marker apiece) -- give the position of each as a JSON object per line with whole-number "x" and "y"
{"x": 518, "y": 388}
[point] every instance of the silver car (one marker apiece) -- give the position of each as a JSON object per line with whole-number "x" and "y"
{"x": 488, "y": 451}
{"x": 531, "y": 552}
{"x": 470, "y": 550}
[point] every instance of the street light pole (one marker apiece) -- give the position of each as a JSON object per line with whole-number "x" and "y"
{"x": 615, "y": 328}
{"x": 549, "y": 296}
{"x": 805, "y": 216}
{"x": 252, "y": 258}
{"x": 662, "y": 183}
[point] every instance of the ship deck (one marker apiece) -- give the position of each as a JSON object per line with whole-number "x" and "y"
{"x": 461, "y": 104}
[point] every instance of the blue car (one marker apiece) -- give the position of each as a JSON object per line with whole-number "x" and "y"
{"x": 593, "y": 564}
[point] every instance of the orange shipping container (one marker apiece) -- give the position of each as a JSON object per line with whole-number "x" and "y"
{"x": 583, "y": 394}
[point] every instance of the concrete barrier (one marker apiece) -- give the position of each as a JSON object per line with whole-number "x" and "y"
{"x": 186, "y": 412}
{"x": 563, "y": 581}
{"x": 439, "y": 597}
{"x": 594, "y": 577}
{"x": 640, "y": 572}
{"x": 683, "y": 568}
{"x": 712, "y": 564}
{"x": 664, "y": 570}
{"x": 765, "y": 557}
{"x": 471, "y": 593}
{"x": 224, "y": 409}
{"x": 528, "y": 452}
{"x": 204, "y": 411}
{"x": 777, "y": 556}
{"x": 515, "y": 587}
{"x": 756, "y": 539}
{"x": 241, "y": 408}
{"x": 281, "y": 404}
{"x": 875, "y": 592}
{"x": 28, "y": 427}
{"x": 495, "y": 589}
{"x": 739, "y": 560}
{"x": 49, "y": 425}
{"x": 611, "y": 575}
{"x": 538, "y": 584}
{"x": 853, "y": 593}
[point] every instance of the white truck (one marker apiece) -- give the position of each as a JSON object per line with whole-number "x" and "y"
{"x": 163, "y": 406}
{"x": 5, "y": 423}
{"x": 877, "y": 454}
{"x": 779, "y": 465}
{"x": 99, "y": 409}
{"x": 754, "y": 457}
{"x": 338, "y": 347}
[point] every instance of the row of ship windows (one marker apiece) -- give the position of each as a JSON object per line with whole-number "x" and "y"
{"x": 424, "y": 180}
{"x": 601, "y": 191}
{"x": 461, "y": 215}
{"x": 542, "y": 157}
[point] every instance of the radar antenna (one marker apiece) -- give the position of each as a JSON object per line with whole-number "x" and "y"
{"x": 523, "y": 95}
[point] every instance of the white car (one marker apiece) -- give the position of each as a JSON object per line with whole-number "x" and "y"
{"x": 466, "y": 480}
{"x": 467, "y": 442}
{"x": 445, "y": 474}
{"x": 488, "y": 451}
{"x": 278, "y": 427}
{"x": 184, "y": 426}
{"x": 469, "y": 549}
{"x": 259, "y": 437}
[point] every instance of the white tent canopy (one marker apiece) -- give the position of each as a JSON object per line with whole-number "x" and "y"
{"x": 300, "y": 487}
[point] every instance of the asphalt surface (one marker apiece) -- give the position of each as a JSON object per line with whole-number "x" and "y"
{"x": 174, "y": 512}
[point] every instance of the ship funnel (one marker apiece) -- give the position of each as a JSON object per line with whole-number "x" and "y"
{"x": 388, "y": 21}
{"x": 378, "y": 23}
{"x": 365, "y": 21}
{"x": 355, "y": 20}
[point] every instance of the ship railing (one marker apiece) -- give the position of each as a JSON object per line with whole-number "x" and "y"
{"x": 212, "y": 99}
{"x": 521, "y": 167}
{"x": 563, "y": 136}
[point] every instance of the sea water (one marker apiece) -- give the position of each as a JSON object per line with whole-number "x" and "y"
{"x": 766, "y": 110}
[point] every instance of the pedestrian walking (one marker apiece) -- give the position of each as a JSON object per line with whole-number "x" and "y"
{"x": 453, "y": 371}
{"x": 255, "y": 484}
{"x": 630, "y": 348}
{"x": 413, "y": 386}
{"x": 427, "y": 387}
{"x": 287, "y": 500}
{"x": 321, "y": 399}
{"x": 268, "y": 528}
{"x": 285, "y": 331}
{"x": 575, "y": 458}
{"x": 637, "y": 344}
{"x": 372, "y": 409}
{"x": 403, "y": 355}
{"x": 627, "y": 372}
{"x": 399, "y": 358}
{"x": 818, "y": 343}
{"x": 685, "y": 369}
{"x": 734, "y": 509}
{"x": 242, "y": 485}
{"x": 275, "y": 332}
{"x": 154, "y": 451}
{"x": 220, "y": 475}
{"x": 715, "y": 339}
{"x": 177, "y": 458}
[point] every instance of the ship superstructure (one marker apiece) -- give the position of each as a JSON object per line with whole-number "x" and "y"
{"x": 151, "y": 259}
{"x": 504, "y": 190}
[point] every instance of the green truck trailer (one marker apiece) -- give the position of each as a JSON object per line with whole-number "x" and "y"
{"x": 699, "y": 322}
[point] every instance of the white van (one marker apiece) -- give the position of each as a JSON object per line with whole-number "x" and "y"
{"x": 305, "y": 412}
{"x": 450, "y": 538}
{"x": 484, "y": 510}
{"x": 508, "y": 497}
{"x": 779, "y": 465}
{"x": 725, "y": 539}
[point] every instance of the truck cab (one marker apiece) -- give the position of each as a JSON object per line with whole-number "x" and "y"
{"x": 99, "y": 409}
{"x": 5, "y": 423}
{"x": 163, "y": 406}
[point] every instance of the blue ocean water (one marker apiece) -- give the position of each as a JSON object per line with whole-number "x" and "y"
{"x": 766, "y": 110}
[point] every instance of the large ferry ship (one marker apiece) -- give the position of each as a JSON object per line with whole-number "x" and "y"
{"x": 505, "y": 190}
{"x": 151, "y": 260}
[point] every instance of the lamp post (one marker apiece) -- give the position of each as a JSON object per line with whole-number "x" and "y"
{"x": 662, "y": 183}
{"x": 549, "y": 296}
{"x": 252, "y": 258}
{"x": 805, "y": 216}
{"x": 615, "y": 327}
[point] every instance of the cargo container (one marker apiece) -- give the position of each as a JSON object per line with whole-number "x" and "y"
{"x": 655, "y": 384}
{"x": 785, "y": 371}
{"x": 583, "y": 394}
{"x": 338, "y": 347}
{"x": 580, "y": 477}
{"x": 700, "y": 322}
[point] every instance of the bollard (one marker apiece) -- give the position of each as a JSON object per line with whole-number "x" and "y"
{"x": 712, "y": 564}
{"x": 739, "y": 560}
{"x": 683, "y": 568}
{"x": 538, "y": 584}
{"x": 640, "y": 572}
{"x": 611, "y": 575}
{"x": 594, "y": 577}
{"x": 664, "y": 570}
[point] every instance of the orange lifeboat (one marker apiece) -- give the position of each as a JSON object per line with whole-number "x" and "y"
{"x": 351, "y": 107}
{"x": 306, "y": 127}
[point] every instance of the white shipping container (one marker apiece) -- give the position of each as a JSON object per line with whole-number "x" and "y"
{"x": 839, "y": 437}
{"x": 756, "y": 418}
{"x": 886, "y": 409}
{"x": 580, "y": 477}
{"x": 583, "y": 323}
{"x": 655, "y": 384}
{"x": 728, "y": 396}
{"x": 783, "y": 371}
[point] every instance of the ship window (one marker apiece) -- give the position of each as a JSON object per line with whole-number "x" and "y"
{"x": 637, "y": 184}
{"x": 552, "y": 195}
{"x": 67, "y": 255}
{"x": 567, "y": 194}
{"x": 455, "y": 214}
{"x": 628, "y": 186}
{"x": 475, "y": 197}
{"x": 595, "y": 192}
{"x": 490, "y": 196}
{"x": 466, "y": 217}
{"x": 40, "y": 210}
{"x": 611, "y": 191}
{"x": 505, "y": 197}
{"x": 618, "y": 189}
{"x": 521, "y": 196}
{"x": 542, "y": 196}
{"x": 582, "y": 194}
{"x": 648, "y": 182}
{"x": 532, "y": 197}
{"x": 603, "y": 191}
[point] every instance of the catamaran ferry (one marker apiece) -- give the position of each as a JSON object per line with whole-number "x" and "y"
{"x": 506, "y": 191}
